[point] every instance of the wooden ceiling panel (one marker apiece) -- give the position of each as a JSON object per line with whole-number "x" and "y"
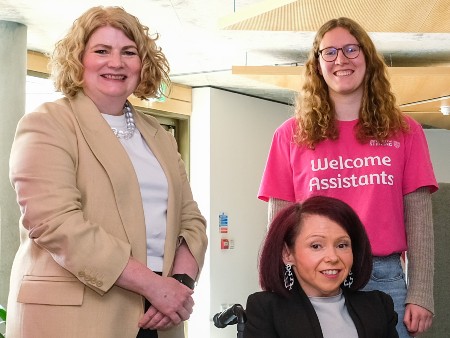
{"x": 420, "y": 91}
{"x": 436, "y": 120}
{"x": 432, "y": 106}
{"x": 408, "y": 84}
{"x": 309, "y": 15}
{"x": 417, "y": 84}
{"x": 411, "y": 85}
{"x": 437, "y": 20}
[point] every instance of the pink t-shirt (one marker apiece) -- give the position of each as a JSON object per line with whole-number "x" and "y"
{"x": 372, "y": 178}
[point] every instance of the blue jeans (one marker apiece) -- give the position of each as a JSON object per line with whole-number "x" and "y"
{"x": 388, "y": 276}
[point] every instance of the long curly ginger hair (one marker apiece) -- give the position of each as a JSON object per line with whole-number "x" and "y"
{"x": 379, "y": 117}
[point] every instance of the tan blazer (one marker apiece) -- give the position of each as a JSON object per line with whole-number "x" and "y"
{"x": 82, "y": 218}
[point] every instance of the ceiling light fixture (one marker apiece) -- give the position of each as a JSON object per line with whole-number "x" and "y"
{"x": 445, "y": 110}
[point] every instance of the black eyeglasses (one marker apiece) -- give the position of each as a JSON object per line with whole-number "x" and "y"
{"x": 330, "y": 54}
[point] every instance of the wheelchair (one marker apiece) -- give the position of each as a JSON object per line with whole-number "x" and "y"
{"x": 234, "y": 315}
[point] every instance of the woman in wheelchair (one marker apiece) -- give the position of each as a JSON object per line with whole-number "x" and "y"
{"x": 315, "y": 258}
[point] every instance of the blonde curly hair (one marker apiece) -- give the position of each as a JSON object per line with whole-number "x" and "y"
{"x": 66, "y": 61}
{"x": 379, "y": 117}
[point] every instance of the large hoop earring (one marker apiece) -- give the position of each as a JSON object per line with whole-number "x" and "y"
{"x": 288, "y": 276}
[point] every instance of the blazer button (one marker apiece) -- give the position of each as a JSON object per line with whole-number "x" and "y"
{"x": 99, "y": 283}
{"x": 81, "y": 274}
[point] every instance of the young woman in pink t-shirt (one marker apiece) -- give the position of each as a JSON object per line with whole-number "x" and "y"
{"x": 350, "y": 140}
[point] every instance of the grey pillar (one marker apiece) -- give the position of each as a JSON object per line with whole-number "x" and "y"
{"x": 13, "y": 70}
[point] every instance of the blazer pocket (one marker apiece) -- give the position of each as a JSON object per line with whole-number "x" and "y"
{"x": 45, "y": 290}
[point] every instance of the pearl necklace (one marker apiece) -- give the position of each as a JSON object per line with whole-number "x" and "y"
{"x": 131, "y": 126}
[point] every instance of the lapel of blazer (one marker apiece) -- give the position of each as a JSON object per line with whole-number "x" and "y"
{"x": 355, "y": 315}
{"x": 110, "y": 153}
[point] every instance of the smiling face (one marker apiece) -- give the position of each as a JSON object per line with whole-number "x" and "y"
{"x": 343, "y": 75}
{"x": 321, "y": 257}
{"x": 111, "y": 67}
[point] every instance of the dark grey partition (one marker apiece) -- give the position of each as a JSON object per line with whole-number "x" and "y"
{"x": 441, "y": 220}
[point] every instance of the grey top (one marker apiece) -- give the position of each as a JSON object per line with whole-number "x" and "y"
{"x": 333, "y": 317}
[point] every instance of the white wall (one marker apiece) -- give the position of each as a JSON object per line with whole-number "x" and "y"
{"x": 230, "y": 139}
{"x": 200, "y": 131}
{"x": 439, "y": 145}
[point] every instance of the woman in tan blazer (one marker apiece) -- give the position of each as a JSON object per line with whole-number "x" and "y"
{"x": 104, "y": 196}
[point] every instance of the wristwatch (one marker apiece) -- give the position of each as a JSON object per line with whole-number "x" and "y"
{"x": 185, "y": 279}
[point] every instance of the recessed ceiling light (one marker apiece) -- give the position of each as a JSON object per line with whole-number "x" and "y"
{"x": 445, "y": 110}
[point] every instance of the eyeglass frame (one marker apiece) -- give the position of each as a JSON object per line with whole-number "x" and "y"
{"x": 340, "y": 49}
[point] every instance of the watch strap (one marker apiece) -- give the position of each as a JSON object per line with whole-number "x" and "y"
{"x": 185, "y": 279}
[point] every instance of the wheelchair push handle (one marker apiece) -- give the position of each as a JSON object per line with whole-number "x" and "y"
{"x": 235, "y": 314}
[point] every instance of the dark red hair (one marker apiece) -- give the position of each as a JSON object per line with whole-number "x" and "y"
{"x": 287, "y": 225}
